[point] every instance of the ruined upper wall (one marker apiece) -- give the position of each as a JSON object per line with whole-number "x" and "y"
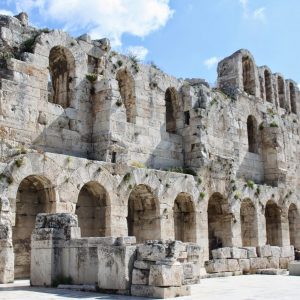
{"x": 77, "y": 97}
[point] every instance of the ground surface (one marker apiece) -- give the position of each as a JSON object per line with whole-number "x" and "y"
{"x": 252, "y": 287}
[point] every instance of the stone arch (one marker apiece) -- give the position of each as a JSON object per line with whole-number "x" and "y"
{"x": 273, "y": 224}
{"x": 268, "y": 86}
{"x": 143, "y": 214}
{"x": 248, "y": 75}
{"x": 249, "y": 225}
{"x": 171, "y": 111}
{"x": 184, "y": 218}
{"x": 127, "y": 93}
{"x": 294, "y": 225}
{"x": 292, "y": 98}
{"x": 35, "y": 195}
{"x": 281, "y": 93}
{"x": 91, "y": 209}
{"x": 62, "y": 75}
{"x": 252, "y": 134}
{"x": 219, "y": 222}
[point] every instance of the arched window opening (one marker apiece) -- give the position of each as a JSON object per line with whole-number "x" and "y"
{"x": 142, "y": 219}
{"x": 184, "y": 218}
{"x": 35, "y": 195}
{"x": 268, "y": 86}
{"x": 91, "y": 210}
{"x": 293, "y": 98}
{"x": 294, "y": 226}
{"x": 281, "y": 95}
{"x": 171, "y": 101}
{"x": 249, "y": 229}
{"x": 248, "y": 75}
{"x": 62, "y": 73}
{"x": 273, "y": 224}
{"x": 219, "y": 222}
{"x": 127, "y": 92}
{"x": 252, "y": 134}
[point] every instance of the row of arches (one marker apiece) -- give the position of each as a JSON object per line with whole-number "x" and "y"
{"x": 272, "y": 87}
{"x": 145, "y": 215}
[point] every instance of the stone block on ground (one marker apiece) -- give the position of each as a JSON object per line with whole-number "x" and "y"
{"x": 166, "y": 275}
{"x": 287, "y": 251}
{"x": 238, "y": 253}
{"x": 216, "y": 266}
{"x": 160, "y": 292}
{"x": 276, "y": 251}
{"x": 233, "y": 265}
{"x": 251, "y": 252}
{"x": 264, "y": 251}
{"x": 140, "y": 276}
{"x": 151, "y": 252}
{"x": 244, "y": 265}
{"x": 221, "y": 253}
{"x": 284, "y": 262}
{"x": 273, "y": 262}
{"x": 271, "y": 271}
{"x": 258, "y": 263}
{"x": 294, "y": 268}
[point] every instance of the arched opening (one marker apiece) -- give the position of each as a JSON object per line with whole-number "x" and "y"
{"x": 171, "y": 100}
{"x": 273, "y": 224}
{"x": 126, "y": 89}
{"x": 184, "y": 218}
{"x": 252, "y": 134}
{"x": 219, "y": 222}
{"x": 249, "y": 230}
{"x": 62, "y": 74}
{"x": 143, "y": 214}
{"x": 280, "y": 87}
{"x": 91, "y": 210}
{"x": 248, "y": 75}
{"x": 35, "y": 195}
{"x": 293, "y": 98}
{"x": 268, "y": 86}
{"x": 294, "y": 226}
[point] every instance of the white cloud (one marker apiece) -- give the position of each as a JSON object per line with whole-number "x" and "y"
{"x": 211, "y": 62}
{"x": 299, "y": 86}
{"x": 6, "y": 12}
{"x": 103, "y": 18}
{"x": 139, "y": 51}
{"x": 258, "y": 14}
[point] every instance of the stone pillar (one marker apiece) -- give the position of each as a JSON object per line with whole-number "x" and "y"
{"x": 285, "y": 229}
{"x": 47, "y": 240}
{"x": 261, "y": 225}
{"x": 117, "y": 218}
{"x": 166, "y": 220}
{"x": 202, "y": 233}
{"x": 6, "y": 256}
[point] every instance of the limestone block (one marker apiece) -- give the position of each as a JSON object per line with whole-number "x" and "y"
{"x": 190, "y": 270}
{"x": 115, "y": 265}
{"x": 294, "y": 268}
{"x": 273, "y": 262}
{"x": 6, "y": 262}
{"x": 216, "y": 266}
{"x": 125, "y": 240}
{"x": 238, "y": 252}
{"x": 251, "y": 252}
{"x": 284, "y": 262}
{"x": 276, "y": 251}
{"x": 166, "y": 275}
{"x": 140, "y": 276}
{"x": 221, "y": 253}
{"x": 264, "y": 251}
{"x": 244, "y": 265}
{"x": 258, "y": 263}
{"x": 287, "y": 251}
{"x": 160, "y": 292}
{"x": 152, "y": 252}
{"x": 142, "y": 264}
{"x": 233, "y": 265}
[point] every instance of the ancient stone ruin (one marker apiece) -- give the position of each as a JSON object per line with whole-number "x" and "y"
{"x": 110, "y": 166}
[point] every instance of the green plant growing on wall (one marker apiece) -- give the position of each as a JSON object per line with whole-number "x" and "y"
{"x": 273, "y": 124}
{"x": 250, "y": 184}
{"x": 19, "y": 162}
{"x": 91, "y": 77}
{"x": 202, "y": 195}
{"x": 127, "y": 177}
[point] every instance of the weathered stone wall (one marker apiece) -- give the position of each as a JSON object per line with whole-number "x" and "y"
{"x": 240, "y": 142}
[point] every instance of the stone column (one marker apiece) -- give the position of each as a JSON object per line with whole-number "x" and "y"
{"x": 6, "y": 256}
{"x": 166, "y": 223}
{"x": 116, "y": 220}
{"x": 261, "y": 225}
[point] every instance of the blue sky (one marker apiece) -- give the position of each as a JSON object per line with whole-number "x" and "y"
{"x": 186, "y": 38}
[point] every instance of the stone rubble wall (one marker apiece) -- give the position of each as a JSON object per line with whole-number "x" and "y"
{"x": 248, "y": 260}
{"x": 165, "y": 269}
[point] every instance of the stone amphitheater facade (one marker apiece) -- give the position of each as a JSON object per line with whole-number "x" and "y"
{"x": 133, "y": 151}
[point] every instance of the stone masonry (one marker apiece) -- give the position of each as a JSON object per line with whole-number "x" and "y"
{"x": 132, "y": 151}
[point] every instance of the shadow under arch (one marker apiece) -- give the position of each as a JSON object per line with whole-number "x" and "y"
{"x": 35, "y": 195}
{"x": 184, "y": 218}
{"x": 91, "y": 209}
{"x": 143, "y": 220}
